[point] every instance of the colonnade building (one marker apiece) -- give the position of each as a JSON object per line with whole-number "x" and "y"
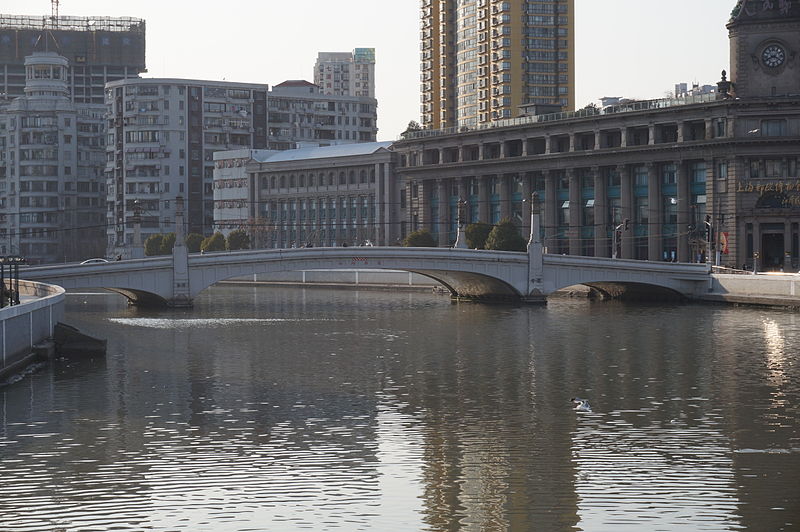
{"x": 663, "y": 179}
{"x": 323, "y": 196}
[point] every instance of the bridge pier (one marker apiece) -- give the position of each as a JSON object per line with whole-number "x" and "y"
{"x": 535, "y": 294}
{"x": 181, "y": 294}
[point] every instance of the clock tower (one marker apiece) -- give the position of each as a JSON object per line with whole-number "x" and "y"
{"x": 765, "y": 48}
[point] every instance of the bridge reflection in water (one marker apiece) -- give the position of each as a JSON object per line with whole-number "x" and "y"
{"x": 282, "y": 408}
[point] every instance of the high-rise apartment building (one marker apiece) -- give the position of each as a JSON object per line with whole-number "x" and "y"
{"x": 52, "y": 188}
{"x": 483, "y": 59}
{"x": 346, "y": 73}
{"x": 163, "y": 133}
{"x": 98, "y": 50}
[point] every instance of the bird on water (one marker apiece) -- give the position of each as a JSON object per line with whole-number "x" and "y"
{"x": 581, "y": 405}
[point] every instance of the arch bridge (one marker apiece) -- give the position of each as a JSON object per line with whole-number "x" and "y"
{"x": 473, "y": 274}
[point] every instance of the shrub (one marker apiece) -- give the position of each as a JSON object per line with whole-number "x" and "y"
{"x": 193, "y": 241}
{"x": 215, "y": 242}
{"x": 505, "y": 237}
{"x": 419, "y": 239}
{"x": 238, "y": 239}
{"x": 167, "y": 243}
{"x": 477, "y": 234}
{"x": 152, "y": 246}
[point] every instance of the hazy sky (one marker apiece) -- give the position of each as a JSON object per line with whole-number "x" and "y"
{"x": 630, "y": 48}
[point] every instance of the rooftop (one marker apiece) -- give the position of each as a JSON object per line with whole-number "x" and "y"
{"x": 342, "y": 150}
{"x": 629, "y": 107}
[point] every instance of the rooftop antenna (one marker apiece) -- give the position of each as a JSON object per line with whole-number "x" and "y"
{"x": 54, "y": 12}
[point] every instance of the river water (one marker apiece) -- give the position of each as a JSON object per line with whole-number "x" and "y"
{"x": 286, "y": 409}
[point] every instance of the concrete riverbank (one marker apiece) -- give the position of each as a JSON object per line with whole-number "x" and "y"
{"x": 767, "y": 289}
{"x": 25, "y": 326}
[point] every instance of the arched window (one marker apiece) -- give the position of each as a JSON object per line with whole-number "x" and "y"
{"x": 362, "y": 176}
{"x": 283, "y": 181}
{"x": 302, "y": 180}
{"x": 330, "y": 178}
{"x": 352, "y": 177}
{"x": 311, "y": 180}
{"x": 272, "y": 182}
{"x": 292, "y": 183}
{"x": 342, "y": 178}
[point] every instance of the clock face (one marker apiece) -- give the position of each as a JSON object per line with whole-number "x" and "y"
{"x": 773, "y": 56}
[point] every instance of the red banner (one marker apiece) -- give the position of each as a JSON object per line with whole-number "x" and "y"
{"x": 723, "y": 243}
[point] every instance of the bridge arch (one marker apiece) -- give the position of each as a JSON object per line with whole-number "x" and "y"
{"x": 479, "y": 285}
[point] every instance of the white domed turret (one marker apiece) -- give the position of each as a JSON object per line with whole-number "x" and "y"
{"x": 46, "y": 75}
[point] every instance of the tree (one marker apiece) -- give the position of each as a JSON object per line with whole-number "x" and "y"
{"x": 476, "y": 234}
{"x": 505, "y": 237}
{"x": 167, "y": 243}
{"x": 193, "y": 241}
{"x": 152, "y": 246}
{"x": 412, "y": 126}
{"x": 238, "y": 239}
{"x": 419, "y": 239}
{"x": 215, "y": 242}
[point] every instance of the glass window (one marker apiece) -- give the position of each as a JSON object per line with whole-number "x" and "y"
{"x": 668, "y": 174}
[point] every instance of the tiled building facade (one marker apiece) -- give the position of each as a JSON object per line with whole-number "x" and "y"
{"x": 481, "y": 60}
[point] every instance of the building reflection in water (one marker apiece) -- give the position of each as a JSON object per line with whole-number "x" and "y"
{"x": 322, "y": 408}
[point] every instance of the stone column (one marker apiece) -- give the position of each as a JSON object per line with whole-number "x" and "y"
{"x": 654, "y": 244}
{"x": 757, "y": 256}
{"x": 425, "y": 222}
{"x": 525, "y": 154}
{"x": 626, "y": 198}
{"x": 623, "y": 137}
{"x": 709, "y": 129}
{"x": 481, "y": 151}
{"x": 572, "y": 137}
{"x": 684, "y": 212}
{"x": 463, "y": 194}
{"x": 575, "y": 213}
{"x": 651, "y": 133}
{"x": 378, "y": 222}
{"x": 601, "y": 221}
{"x": 441, "y": 155}
{"x": 503, "y": 149}
{"x": 461, "y": 153}
{"x": 681, "y": 126}
{"x": 550, "y": 211}
{"x": 483, "y": 199}
{"x": 547, "y": 146}
{"x": 597, "y": 139}
{"x": 444, "y": 213}
{"x": 505, "y": 196}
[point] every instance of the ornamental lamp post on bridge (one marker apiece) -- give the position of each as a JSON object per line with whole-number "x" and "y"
{"x": 137, "y": 251}
{"x": 461, "y": 238}
{"x": 616, "y": 237}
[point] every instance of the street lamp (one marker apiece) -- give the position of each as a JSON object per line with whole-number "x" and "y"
{"x": 621, "y": 227}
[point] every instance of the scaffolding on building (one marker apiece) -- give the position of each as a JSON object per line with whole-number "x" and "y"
{"x": 68, "y": 23}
